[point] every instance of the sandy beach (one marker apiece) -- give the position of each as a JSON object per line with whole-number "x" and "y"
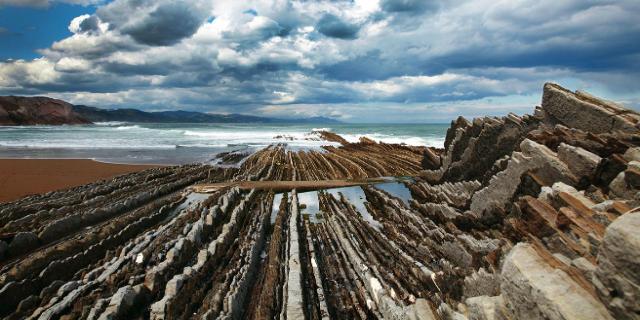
{"x": 22, "y": 177}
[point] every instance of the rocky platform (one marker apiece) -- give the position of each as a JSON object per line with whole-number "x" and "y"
{"x": 532, "y": 217}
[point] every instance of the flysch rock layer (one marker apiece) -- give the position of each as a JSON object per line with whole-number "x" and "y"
{"x": 518, "y": 217}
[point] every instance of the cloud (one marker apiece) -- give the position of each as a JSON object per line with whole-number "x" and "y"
{"x": 332, "y": 26}
{"x": 412, "y": 6}
{"x": 85, "y": 23}
{"x": 44, "y": 3}
{"x": 423, "y": 60}
{"x": 25, "y": 3}
{"x": 165, "y": 25}
{"x": 90, "y": 24}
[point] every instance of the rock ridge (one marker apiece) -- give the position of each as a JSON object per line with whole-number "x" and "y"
{"x": 518, "y": 217}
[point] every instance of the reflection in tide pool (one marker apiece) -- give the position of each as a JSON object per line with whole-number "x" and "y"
{"x": 396, "y": 189}
{"x": 356, "y": 196}
{"x": 192, "y": 200}
{"x": 310, "y": 200}
{"x": 275, "y": 207}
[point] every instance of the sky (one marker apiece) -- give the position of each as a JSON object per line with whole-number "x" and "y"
{"x": 414, "y": 61}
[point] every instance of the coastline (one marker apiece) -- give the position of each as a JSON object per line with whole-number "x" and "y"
{"x": 545, "y": 202}
{"x": 24, "y": 177}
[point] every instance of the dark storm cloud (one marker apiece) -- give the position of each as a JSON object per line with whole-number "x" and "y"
{"x": 283, "y": 53}
{"x": 166, "y": 25}
{"x": 411, "y": 6}
{"x": 102, "y": 48}
{"x": 252, "y": 12}
{"x": 332, "y": 26}
{"x": 584, "y": 36}
{"x": 361, "y": 68}
{"x": 89, "y": 24}
{"x": 74, "y": 82}
{"x": 25, "y": 3}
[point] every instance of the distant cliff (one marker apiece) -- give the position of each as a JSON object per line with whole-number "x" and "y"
{"x": 37, "y": 110}
{"x": 180, "y": 116}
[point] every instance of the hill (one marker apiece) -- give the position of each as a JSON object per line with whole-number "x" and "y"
{"x": 17, "y": 111}
{"x": 180, "y": 116}
{"x": 37, "y": 110}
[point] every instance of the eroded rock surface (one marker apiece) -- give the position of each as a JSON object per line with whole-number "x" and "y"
{"x": 526, "y": 217}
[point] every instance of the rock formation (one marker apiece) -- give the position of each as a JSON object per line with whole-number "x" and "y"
{"x": 16, "y": 111}
{"x": 531, "y": 217}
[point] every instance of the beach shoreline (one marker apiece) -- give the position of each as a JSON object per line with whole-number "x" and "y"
{"x": 23, "y": 177}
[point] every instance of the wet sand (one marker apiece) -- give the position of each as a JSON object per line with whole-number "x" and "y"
{"x": 22, "y": 177}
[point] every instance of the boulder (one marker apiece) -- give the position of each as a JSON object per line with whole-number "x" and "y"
{"x": 419, "y": 311}
{"x": 3, "y": 249}
{"x": 60, "y": 228}
{"x": 632, "y": 154}
{"x": 582, "y": 111}
{"x": 618, "y": 271}
{"x": 481, "y": 283}
{"x": 585, "y": 266}
{"x": 632, "y": 177}
{"x": 609, "y": 169}
{"x": 626, "y": 183}
{"x": 533, "y": 158}
{"x": 431, "y": 160}
{"x": 484, "y": 308}
{"x": 532, "y": 289}
{"x": 580, "y": 161}
{"x": 120, "y": 303}
{"x": 23, "y": 242}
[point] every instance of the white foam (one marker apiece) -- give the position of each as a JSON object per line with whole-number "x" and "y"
{"x": 437, "y": 142}
{"x": 257, "y": 138}
{"x": 122, "y": 135}
{"x": 133, "y": 127}
{"x": 109, "y": 123}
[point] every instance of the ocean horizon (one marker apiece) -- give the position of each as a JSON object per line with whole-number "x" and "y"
{"x": 181, "y": 143}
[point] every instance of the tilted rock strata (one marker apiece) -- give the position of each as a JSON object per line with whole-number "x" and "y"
{"x": 582, "y": 111}
{"x": 541, "y": 227}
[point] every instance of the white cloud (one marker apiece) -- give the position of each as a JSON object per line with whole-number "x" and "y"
{"x": 67, "y": 64}
{"x": 45, "y": 3}
{"x": 273, "y": 56}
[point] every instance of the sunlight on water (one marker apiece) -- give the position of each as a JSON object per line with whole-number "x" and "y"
{"x": 396, "y": 189}
{"x": 356, "y": 197}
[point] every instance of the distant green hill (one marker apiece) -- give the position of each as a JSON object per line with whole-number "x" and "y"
{"x": 134, "y": 115}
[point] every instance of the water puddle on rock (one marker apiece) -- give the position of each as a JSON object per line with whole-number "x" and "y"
{"x": 309, "y": 205}
{"x": 396, "y": 189}
{"x": 275, "y": 207}
{"x": 356, "y": 197}
{"x": 192, "y": 200}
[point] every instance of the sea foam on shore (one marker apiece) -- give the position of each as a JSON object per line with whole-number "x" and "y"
{"x": 134, "y": 142}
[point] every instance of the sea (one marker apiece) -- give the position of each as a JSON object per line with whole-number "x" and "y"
{"x": 163, "y": 143}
